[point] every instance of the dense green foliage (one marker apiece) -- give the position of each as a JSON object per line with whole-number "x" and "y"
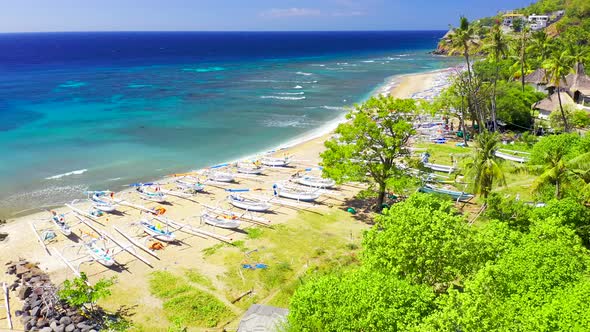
{"x": 504, "y": 276}
{"x": 368, "y": 145}
{"x": 514, "y": 106}
{"x": 360, "y": 300}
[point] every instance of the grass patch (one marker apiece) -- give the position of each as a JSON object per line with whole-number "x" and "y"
{"x": 164, "y": 284}
{"x": 186, "y": 305}
{"x": 211, "y": 250}
{"x": 254, "y": 233}
{"x": 194, "y": 276}
{"x": 196, "y": 308}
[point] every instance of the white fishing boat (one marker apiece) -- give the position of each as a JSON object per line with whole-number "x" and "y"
{"x": 275, "y": 162}
{"x": 219, "y": 220}
{"x": 249, "y": 168}
{"x": 59, "y": 220}
{"x": 295, "y": 193}
{"x": 156, "y": 231}
{"x": 151, "y": 195}
{"x": 510, "y": 157}
{"x": 187, "y": 185}
{"x": 315, "y": 181}
{"x": 440, "y": 168}
{"x": 100, "y": 203}
{"x": 249, "y": 204}
{"x": 221, "y": 176}
{"x": 99, "y": 254}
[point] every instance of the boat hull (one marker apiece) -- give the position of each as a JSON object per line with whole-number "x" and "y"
{"x": 316, "y": 182}
{"x": 248, "y": 205}
{"x": 219, "y": 221}
{"x": 455, "y": 195}
{"x": 275, "y": 162}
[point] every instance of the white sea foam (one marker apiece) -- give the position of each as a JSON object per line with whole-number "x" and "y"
{"x": 282, "y": 98}
{"x": 303, "y": 73}
{"x": 318, "y": 65}
{"x": 59, "y": 176}
{"x": 298, "y": 87}
{"x": 368, "y": 61}
{"x": 291, "y": 93}
{"x": 334, "y": 108}
{"x": 285, "y": 121}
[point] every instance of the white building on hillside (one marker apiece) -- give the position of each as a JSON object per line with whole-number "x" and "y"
{"x": 538, "y": 22}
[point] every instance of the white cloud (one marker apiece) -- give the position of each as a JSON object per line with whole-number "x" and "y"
{"x": 349, "y": 13}
{"x": 290, "y": 12}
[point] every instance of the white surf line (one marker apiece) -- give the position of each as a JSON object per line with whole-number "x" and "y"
{"x": 134, "y": 242}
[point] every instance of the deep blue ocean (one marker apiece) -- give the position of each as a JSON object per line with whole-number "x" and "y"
{"x": 83, "y": 111}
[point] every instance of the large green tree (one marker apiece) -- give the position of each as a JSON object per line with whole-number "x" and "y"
{"x": 424, "y": 240}
{"x": 368, "y": 146}
{"x": 525, "y": 289}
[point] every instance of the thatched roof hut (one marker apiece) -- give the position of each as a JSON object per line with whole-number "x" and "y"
{"x": 538, "y": 77}
{"x": 551, "y": 103}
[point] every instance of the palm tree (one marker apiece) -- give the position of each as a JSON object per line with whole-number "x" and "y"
{"x": 577, "y": 55}
{"x": 485, "y": 168}
{"x": 540, "y": 45}
{"x": 497, "y": 48}
{"x": 559, "y": 171}
{"x": 520, "y": 48}
{"x": 557, "y": 66}
{"x": 464, "y": 40}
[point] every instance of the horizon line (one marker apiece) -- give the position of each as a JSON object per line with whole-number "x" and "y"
{"x": 216, "y": 31}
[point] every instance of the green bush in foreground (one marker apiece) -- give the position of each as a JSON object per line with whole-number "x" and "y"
{"x": 359, "y": 301}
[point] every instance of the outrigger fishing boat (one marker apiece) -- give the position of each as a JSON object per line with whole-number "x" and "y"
{"x": 100, "y": 203}
{"x": 99, "y": 254}
{"x": 275, "y": 162}
{"x": 220, "y": 220}
{"x": 315, "y": 181}
{"x": 455, "y": 195}
{"x": 440, "y": 168}
{"x": 59, "y": 220}
{"x": 154, "y": 196}
{"x": 156, "y": 231}
{"x": 249, "y": 204}
{"x": 249, "y": 168}
{"x": 510, "y": 157}
{"x": 220, "y": 176}
{"x": 185, "y": 185}
{"x": 295, "y": 193}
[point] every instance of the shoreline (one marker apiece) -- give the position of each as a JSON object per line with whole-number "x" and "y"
{"x": 21, "y": 242}
{"x": 389, "y": 85}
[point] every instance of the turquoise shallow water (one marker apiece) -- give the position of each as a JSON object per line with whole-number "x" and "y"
{"x": 79, "y": 125}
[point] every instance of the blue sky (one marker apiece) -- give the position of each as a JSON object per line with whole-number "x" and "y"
{"x": 119, "y": 15}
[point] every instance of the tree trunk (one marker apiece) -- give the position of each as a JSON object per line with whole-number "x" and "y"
{"x": 565, "y": 125}
{"x": 557, "y": 190}
{"x": 381, "y": 197}
{"x": 522, "y": 60}
{"x": 494, "y": 127}
{"x": 462, "y": 121}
